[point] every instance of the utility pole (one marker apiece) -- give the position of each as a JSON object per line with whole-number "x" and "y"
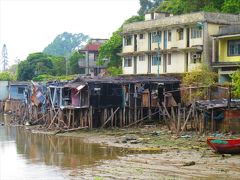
{"x": 5, "y": 57}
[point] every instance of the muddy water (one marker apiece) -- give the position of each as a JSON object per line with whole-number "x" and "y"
{"x": 24, "y": 155}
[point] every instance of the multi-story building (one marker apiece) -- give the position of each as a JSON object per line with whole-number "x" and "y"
{"x": 226, "y": 51}
{"x": 171, "y": 44}
{"x": 88, "y": 63}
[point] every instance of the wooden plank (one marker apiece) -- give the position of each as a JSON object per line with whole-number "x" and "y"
{"x": 110, "y": 117}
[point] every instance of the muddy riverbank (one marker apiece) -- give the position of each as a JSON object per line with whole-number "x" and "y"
{"x": 156, "y": 153}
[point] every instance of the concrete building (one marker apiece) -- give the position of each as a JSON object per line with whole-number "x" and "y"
{"x": 90, "y": 52}
{"x": 171, "y": 44}
{"x": 226, "y": 51}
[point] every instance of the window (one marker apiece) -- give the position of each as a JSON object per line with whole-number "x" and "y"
{"x": 195, "y": 58}
{"x": 128, "y": 40}
{"x": 155, "y": 60}
{"x": 234, "y": 47}
{"x": 128, "y": 62}
{"x": 142, "y": 58}
{"x": 169, "y": 59}
{"x": 156, "y": 36}
{"x": 169, "y": 35}
{"x": 196, "y": 33}
{"x": 21, "y": 90}
{"x": 180, "y": 33}
{"x": 141, "y": 36}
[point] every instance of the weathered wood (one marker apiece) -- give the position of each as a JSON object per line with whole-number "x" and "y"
{"x": 121, "y": 117}
{"x": 70, "y": 130}
{"x": 110, "y": 117}
{"x": 124, "y": 116}
{"x": 141, "y": 119}
{"x": 52, "y": 121}
{"x": 179, "y": 118}
{"x": 189, "y": 113}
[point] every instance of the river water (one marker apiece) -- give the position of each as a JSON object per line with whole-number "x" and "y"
{"x": 24, "y": 155}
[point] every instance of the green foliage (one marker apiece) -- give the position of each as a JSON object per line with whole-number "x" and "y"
{"x": 236, "y": 83}
{"x": 7, "y": 76}
{"x": 65, "y": 43}
{"x": 188, "y": 6}
{"x": 47, "y": 77}
{"x": 111, "y": 48}
{"x": 39, "y": 63}
{"x": 134, "y": 19}
{"x": 73, "y": 62}
{"x": 201, "y": 76}
{"x": 231, "y": 6}
{"x": 148, "y": 5}
{"x": 114, "y": 71}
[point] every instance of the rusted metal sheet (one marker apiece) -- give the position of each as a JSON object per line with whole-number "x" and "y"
{"x": 231, "y": 120}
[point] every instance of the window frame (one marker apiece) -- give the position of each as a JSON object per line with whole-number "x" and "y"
{"x": 196, "y": 33}
{"x": 141, "y": 58}
{"x": 236, "y": 42}
{"x": 155, "y": 36}
{"x": 169, "y": 59}
{"x": 128, "y": 40}
{"x": 128, "y": 61}
{"x": 141, "y": 36}
{"x": 22, "y": 90}
{"x": 169, "y": 35}
{"x": 180, "y": 33}
{"x": 155, "y": 60}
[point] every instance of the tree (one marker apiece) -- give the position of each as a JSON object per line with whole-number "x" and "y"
{"x": 231, "y": 6}
{"x": 7, "y": 76}
{"x": 40, "y": 63}
{"x": 73, "y": 62}
{"x": 65, "y": 43}
{"x": 236, "y": 83}
{"x": 111, "y": 48}
{"x": 148, "y": 5}
{"x": 202, "y": 78}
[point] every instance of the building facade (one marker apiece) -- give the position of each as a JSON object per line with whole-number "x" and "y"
{"x": 90, "y": 54}
{"x": 171, "y": 44}
{"x": 226, "y": 51}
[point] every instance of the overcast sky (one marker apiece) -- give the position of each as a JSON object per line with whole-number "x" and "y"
{"x": 27, "y": 26}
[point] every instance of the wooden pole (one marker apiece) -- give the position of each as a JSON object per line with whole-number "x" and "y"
{"x": 179, "y": 118}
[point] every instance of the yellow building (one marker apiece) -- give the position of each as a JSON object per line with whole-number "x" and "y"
{"x": 226, "y": 51}
{"x": 170, "y": 44}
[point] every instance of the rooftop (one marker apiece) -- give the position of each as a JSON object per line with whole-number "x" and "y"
{"x": 181, "y": 20}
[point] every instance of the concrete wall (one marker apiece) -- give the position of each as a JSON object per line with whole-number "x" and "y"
{"x": 223, "y": 50}
{"x": 3, "y": 90}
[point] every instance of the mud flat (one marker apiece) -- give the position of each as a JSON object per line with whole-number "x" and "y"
{"x": 154, "y": 153}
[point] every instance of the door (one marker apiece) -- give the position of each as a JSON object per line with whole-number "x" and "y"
{"x": 135, "y": 42}
{"x": 149, "y": 41}
{"x": 165, "y": 40}
{"x": 135, "y": 65}
{"x": 149, "y": 64}
{"x": 188, "y": 37}
{"x": 164, "y": 63}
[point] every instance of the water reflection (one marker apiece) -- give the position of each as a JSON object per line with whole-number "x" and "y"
{"x": 61, "y": 151}
{"x": 24, "y": 155}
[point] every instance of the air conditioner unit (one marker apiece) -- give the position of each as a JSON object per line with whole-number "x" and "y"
{"x": 196, "y": 56}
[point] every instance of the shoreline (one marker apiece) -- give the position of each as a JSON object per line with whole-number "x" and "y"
{"x": 153, "y": 153}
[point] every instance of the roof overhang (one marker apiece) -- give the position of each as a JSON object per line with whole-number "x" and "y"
{"x": 226, "y": 36}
